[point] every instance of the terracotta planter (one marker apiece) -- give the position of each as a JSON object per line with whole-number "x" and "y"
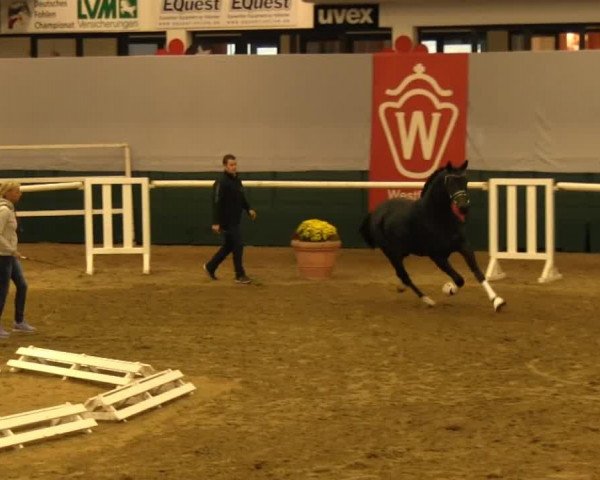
{"x": 316, "y": 259}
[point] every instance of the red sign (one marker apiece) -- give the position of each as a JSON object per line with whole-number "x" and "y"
{"x": 419, "y": 119}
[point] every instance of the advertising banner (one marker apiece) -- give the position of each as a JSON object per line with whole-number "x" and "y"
{"x": 63, "y": 16}
{"x": 343, "y": 17}
{"x": 418, "y": 117}
{"x": 56, "y": 16}
{"x": 232, "y": 14}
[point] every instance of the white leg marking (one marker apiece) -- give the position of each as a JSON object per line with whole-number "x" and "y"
{"x": 450, "y": 288}
{"x": 498, "y": 303}
{"x": 427, "y": 301}
{"x": 489, "y": 290}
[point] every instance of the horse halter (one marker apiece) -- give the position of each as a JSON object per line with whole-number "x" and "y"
{"x": 459, "y": 199}
{"x": 458, "y": 193}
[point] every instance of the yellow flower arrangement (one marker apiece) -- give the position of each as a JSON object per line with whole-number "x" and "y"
{"x": 315, "y": 230}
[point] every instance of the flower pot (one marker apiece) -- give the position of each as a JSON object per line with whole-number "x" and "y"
{"x": 316, "y": 259}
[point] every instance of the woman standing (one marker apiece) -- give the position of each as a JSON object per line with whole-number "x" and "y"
{"x": 10, "y": 267}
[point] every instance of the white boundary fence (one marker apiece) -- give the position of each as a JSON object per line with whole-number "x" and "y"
{"x": 549, "y": 272}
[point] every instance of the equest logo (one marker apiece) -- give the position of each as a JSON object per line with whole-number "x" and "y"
{"x": 418, "y": 122}
{"x": 109, "y": 9}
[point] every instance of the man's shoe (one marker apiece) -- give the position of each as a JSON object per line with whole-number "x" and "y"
{"x": 242, "y": 279}
{"x": 210, "y": 274}
{"x": 23, "y": 327}
{"x": 4, "y": 333}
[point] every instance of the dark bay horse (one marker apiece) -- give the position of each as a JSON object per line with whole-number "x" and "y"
{"x": 431, "y": 226}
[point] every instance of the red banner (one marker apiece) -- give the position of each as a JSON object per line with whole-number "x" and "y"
{"x": 419, "y": 120}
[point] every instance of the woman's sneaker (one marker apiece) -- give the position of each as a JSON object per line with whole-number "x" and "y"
{"x": 243, "y": 279}
{"x": 4, "y": 333}
{"x": 23, "y": 327}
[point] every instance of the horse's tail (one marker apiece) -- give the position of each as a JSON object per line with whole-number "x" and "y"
{"x": 365, "y": 231}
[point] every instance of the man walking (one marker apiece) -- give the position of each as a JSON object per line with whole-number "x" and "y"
{"x": 228, "y": 203}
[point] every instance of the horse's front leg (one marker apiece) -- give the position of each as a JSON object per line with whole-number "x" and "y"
{"x": 443, "y": 264}
{"x": 469, "y": 257}
{"x": 397, "y": 261}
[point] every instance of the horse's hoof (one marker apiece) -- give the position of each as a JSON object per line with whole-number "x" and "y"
{"x": 400, "y": 289}
{"x": 427, "y": 301}
{"x": 450, "y": 288}
{"x": 499, "y": 303}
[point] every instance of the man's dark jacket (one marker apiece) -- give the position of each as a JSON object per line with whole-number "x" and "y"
{"x": 228, "y": 200}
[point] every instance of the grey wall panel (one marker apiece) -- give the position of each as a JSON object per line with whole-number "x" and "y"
{"x": 534, "y": 111}
{"x": 529, "y": 111}
{"x": 285, "y": 113}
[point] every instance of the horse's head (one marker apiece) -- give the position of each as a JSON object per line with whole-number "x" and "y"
{"x": 448, "y": 186}
{"x": 455, "y": 182}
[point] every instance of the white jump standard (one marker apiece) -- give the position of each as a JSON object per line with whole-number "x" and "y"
{"x": 108, "y": 247}
{"x": 494, "y": 272}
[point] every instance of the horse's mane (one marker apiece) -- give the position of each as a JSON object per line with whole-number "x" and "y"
{"x": 430, "y": 180}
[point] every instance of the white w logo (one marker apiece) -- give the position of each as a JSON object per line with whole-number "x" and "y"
{"x": 402, "y": 125}
{"x": 416, "y": 127}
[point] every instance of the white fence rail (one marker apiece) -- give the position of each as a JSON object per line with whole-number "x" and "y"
{"x": 302, "y": 184}
{"x": 45, "y": 187}
{"x": 60, "y": 184}
{"x": 578, "y": 187}
{"x": 493, "y": 271}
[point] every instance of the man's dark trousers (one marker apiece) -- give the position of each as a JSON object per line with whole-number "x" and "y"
{"x": 232, "y": 243}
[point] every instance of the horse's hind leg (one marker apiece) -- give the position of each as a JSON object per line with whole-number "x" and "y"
{"x": 397, "y": 262}
{"x": 469, "y": 256}
{"x": 444, "y": 265}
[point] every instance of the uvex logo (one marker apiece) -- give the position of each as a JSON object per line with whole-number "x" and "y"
{"x": 418, "y": 123}
{"x": 346, "y": 15}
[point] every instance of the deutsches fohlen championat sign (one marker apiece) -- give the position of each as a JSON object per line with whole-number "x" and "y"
{"x": 50, "y": 16}
{"x": 53, "y": 16}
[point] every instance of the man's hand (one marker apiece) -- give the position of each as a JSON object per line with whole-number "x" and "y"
{"x": 252, "y": 214}
{"x": 216, "y": 228}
